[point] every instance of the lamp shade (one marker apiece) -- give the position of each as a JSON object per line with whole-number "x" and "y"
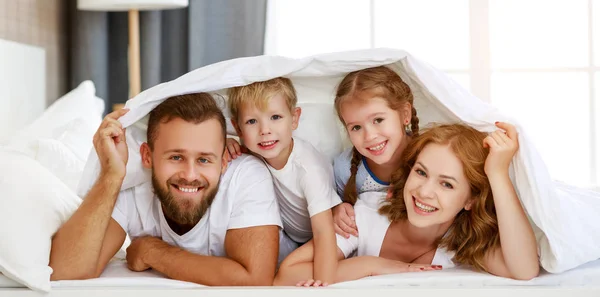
{"x": 124, "y": 5}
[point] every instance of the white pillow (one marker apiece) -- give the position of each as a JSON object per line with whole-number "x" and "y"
{"x": 60, "y": 160}
{"x": 79, "y": 111}
{"x": 33, "y": 204}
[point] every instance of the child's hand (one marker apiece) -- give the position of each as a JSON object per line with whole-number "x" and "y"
{"x": 311, "y": 283}
{"x": 233, "y": 149}
{"x": 503, "y": 146}
{"x": 387, "y": 266}
{"x": 343, "y": 220}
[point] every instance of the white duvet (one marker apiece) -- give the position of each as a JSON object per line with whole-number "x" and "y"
{"x": 565, "y": 218}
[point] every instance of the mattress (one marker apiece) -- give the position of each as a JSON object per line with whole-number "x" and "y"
{"x": 117, "y": 275}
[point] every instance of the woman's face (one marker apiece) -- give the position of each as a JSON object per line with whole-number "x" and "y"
{"x": 436, "y": 189}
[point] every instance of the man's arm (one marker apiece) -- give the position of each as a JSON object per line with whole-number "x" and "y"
{"x": 85, "y": 243}
{"x": 251, "y": 259}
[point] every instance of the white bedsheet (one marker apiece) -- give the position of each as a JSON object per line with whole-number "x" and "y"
{"x": 117, "y": 275}
{"x": 565, "y": 218}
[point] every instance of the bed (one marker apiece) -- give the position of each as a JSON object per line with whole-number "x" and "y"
{"x": 61, "y": 157}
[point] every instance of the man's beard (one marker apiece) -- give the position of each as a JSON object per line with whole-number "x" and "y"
{"x": 175, "y": 209}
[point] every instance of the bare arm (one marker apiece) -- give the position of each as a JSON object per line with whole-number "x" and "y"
{"x": 325, "y": 256}
{"x": 251, "y": 259}
{"x": 517, "y": 256}
{"x": 90, "y": 238}
{"x": 298, "y": 266}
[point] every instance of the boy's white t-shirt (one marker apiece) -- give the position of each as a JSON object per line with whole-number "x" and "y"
{"x": 372, "y": 228}
{"x": 245, "y": 198}
{"x": 304, "y": 188}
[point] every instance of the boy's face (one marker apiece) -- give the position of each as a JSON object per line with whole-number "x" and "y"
{"x": 268, "y": 132}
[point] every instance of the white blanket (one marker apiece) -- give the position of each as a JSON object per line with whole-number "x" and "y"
{"x": 565, "y": 218}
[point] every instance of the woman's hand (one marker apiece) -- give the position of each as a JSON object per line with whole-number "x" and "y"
{"x": 503, "y": 146}
{"x": 387, "y": 266}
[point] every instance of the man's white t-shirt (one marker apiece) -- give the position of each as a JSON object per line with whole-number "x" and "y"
{"x": 372, "y": 228}
{"x": 304, "y": 188}
{"x": 245, "y": 198}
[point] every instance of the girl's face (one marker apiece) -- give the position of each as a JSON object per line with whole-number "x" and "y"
{"x": 436, "y": 189}
{"x": 375, "y": 130}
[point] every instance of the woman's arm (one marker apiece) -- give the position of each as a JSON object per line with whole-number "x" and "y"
{"x": 298, "y": 267}
{"x": 517, "y": 257}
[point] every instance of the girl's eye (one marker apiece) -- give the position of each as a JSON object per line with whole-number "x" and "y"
{"x": 378, "y": 120}
{"x": 251, "y": 122}
{"x": 276, "y": 117}
{"x": 355, "y": 128}
{"x": 420, "y": 172}
{"x": 447, "y": 185}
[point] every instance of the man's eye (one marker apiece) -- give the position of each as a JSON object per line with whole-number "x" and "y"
{"x": 176, "y": 158}
{"x": 203, "y": 160}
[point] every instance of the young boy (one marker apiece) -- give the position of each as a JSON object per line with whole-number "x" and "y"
{"x": 264, "y": 115}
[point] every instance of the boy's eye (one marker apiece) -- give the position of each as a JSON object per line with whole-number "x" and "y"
{"x": 355, "y": 128}
{"x": 276, "y": 117}
{"x": 420, "y": 172}
{"x": 447, "y": 185}
{"x": 251, "y": 122}
{"x": 378, "y": 120}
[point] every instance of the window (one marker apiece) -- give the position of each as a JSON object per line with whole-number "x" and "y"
{"x": 537, "y": 60}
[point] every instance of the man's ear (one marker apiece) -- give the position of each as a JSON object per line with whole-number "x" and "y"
{"x": 146, "y": 155}
{"x": 224, "y": 162}
{"x": 236, "y": 127}
{"x": 296, "y": 117}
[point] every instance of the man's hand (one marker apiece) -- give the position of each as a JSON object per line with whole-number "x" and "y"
{"x": 138, "y": 250}
{"x": 111, "y": 146}
{"x": 343, "y": 220}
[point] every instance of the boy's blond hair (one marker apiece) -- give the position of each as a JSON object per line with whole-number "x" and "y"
{"x": 259, "y": 94}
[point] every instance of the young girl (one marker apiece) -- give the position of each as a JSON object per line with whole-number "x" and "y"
{"x": 451, "y": 202}
{"x": 375, "y": 106}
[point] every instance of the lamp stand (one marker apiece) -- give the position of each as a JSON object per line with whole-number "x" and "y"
{"x": 133, "y": 57}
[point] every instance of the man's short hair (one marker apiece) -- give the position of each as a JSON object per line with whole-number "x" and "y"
{"x": 259, "y": 94}
{"x": 192, "y": 108}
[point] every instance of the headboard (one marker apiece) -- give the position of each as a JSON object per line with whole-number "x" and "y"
{"x": 22, "y": 85}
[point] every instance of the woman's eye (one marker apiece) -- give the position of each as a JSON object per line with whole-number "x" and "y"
{"x": 355, "y": 128}
{"x": 420, "y": 172}
{"x": 447, "y": 185}
{"x": 276, "y": 117}
{"x": 251, "y": 121}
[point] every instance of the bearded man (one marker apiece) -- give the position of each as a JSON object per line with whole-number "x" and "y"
{"x": 199, "y": 219}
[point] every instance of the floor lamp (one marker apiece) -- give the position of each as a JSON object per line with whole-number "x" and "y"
{"x": 133, "y": 6}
